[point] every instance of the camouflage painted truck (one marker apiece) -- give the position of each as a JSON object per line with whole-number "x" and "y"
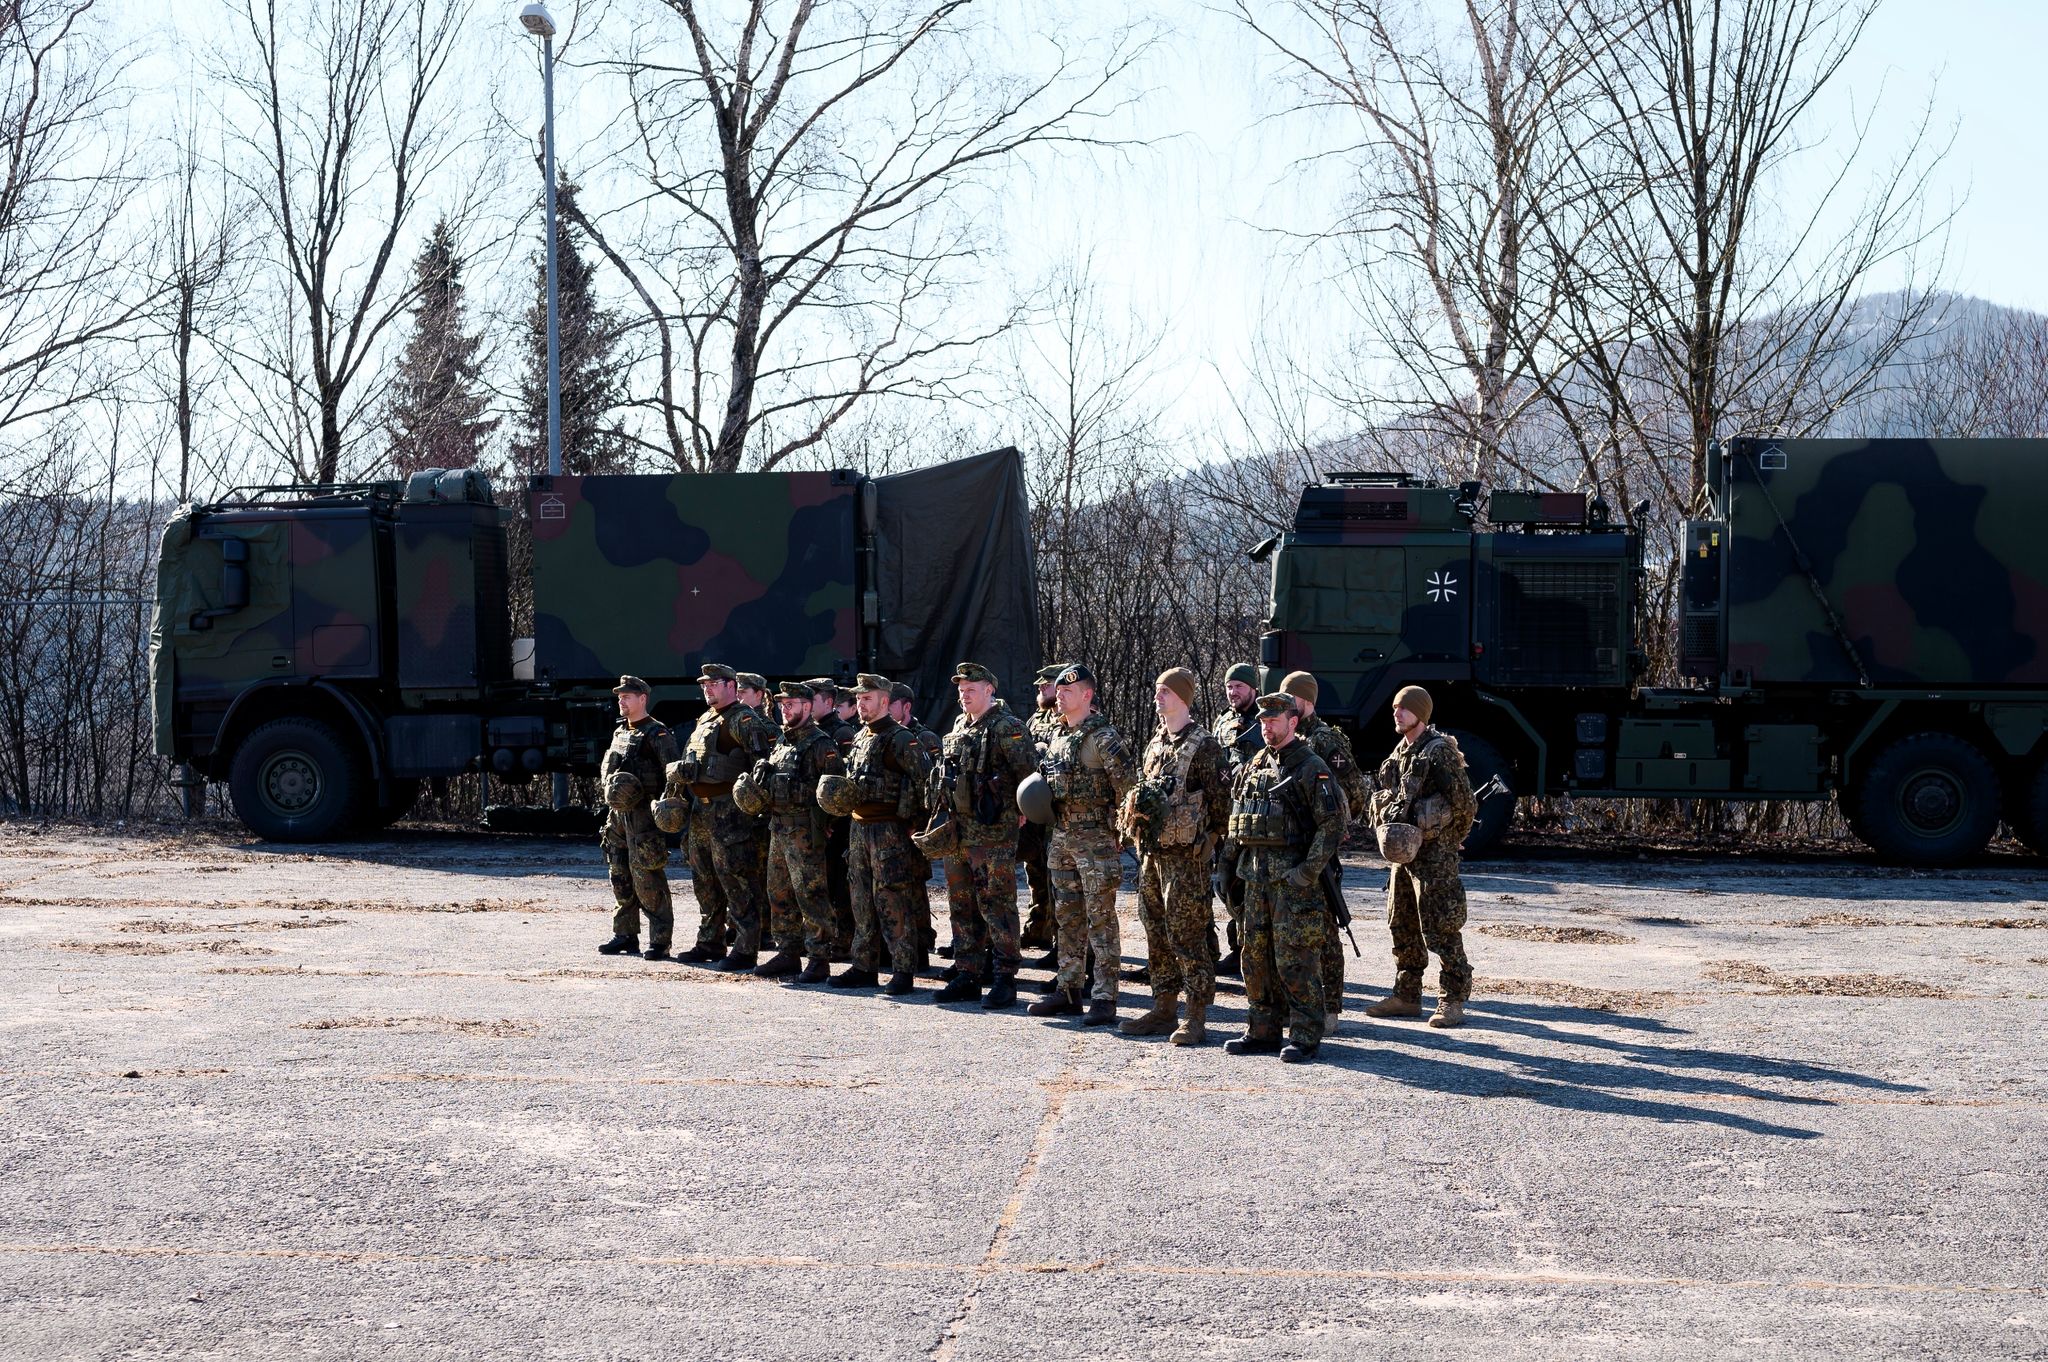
{"x": 1861, "y": 620}
{"x": 324, "y": 650}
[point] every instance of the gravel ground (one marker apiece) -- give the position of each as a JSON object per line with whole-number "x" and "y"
{"x": 386, "y": 1101}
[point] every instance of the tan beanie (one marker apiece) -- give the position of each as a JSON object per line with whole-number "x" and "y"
{"x": 1300, "y": 685}
{"x": 1180, "y": 681}
{"x": 1415, "y": 700}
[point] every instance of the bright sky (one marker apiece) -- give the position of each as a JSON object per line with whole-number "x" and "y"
{"x": 1182, "y": 232}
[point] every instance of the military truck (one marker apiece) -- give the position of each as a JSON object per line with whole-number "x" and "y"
{"x": 1865, "y": 620}
{"x": 323, "y": 650}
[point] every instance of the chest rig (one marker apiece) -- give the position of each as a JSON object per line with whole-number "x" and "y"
{"x": 1083, "y": 793}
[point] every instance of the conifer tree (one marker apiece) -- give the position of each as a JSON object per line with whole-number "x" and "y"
{"x": 593, "y": 379}
{"x": 438, "y": 414}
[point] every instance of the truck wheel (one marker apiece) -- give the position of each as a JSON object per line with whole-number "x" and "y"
{"x": 1483, "y": 761}
{"x": 405, "y": 792}
{"x": 1928, "y": 799}
{"x": 298, "y": 780}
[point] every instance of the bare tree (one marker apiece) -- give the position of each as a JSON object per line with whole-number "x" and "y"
{"x": 1747, "y": 310}
{"x": 808, "y": 222}
{"x": 69, "y": 270}
{"x": 346, "y": 114}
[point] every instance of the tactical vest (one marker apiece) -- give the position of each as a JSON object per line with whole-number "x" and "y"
{"x": 718, "y": 756}
{"x": 881, "y": 786}
{"x": 786, "y": 788}
{"x": 1166, "y": 770}
{"x": 1262, "y": 814}
{"x": 1083, "y": 794}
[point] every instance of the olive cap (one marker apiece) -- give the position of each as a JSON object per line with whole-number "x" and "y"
{"x": 821, "y": 685}
{"x": 1180, "y": 681}
{"x": 1245, "y": 672}
{"x": 899, "y": 690}
{"x": 716, "y": 671}
{"x": 794, "y": 690}
{"x": 973, "y": 671}
{"x": 841, "y": 695}
{"x": 751, "y": 680}
{"x": 1300, "y": 685}
{"x": 1277, "y": 704}
{"x": 631, "y": 685}
{"x": 1047, "y": 675}
{"x": 868, "y": 681}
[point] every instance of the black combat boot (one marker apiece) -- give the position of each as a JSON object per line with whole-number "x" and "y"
{"x": 900, "y": 983}
{"x": 944, "y": 952}
{"x": 701, "y": 954}
{"x": 620, "y": 945}
{"x": 1001, "y": 994}
{"x": 656, "y": 953}
{"x": 1101, "y": 1012}
{"x": 855, "y": 978}
{"x": 1298, "y": 1052}
{"x": 817, "y": 971}
{"x": 1050, "y": 960}
{"x": 1249, "y": 1044}
{"x": 739, "y": 962}
{"x": 1229, "y": 965}
{"x": 963, "y": 988}
{"x": 779, "y": 964}
{"x": 1059, "y": 1004}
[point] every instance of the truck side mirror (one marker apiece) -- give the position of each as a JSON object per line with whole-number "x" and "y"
{"x": 234, "y": 574}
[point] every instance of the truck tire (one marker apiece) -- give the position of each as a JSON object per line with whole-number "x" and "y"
{"x": 299, "y": 780}
{"x": 1928, "y": 799}
{"x": 1483, "y": 761}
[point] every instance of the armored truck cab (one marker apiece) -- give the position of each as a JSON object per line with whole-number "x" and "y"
{"x": 324, "y": 649}
{"x": 1858, "y": 619}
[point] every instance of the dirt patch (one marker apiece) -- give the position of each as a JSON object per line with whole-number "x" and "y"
{"x": 1579, "y": 995}
{"x": 2002, "y": 923}
{"x": 502, "y": 1028}
{"x": 1574, "y": 936}
{"x": 154, "y": 926}
{"x": 1835, "y": 920}
{"x": 226, "y": 947}
{"x": 306, "y": 905}
{"x": 1770, "y": 981}
{"x": 659, "y": 976}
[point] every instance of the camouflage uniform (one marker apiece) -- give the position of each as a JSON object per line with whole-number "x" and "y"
{"x": 986, "y": 760}
{"x": 1331, "y": 744}
{"x": 1283, "y": 833}
{"x": 727, "y": 864}
{"x": 634, "y": 850}
{"x": 1033, "y": 840}
{"x": 1238, "y": 731}
{"x": 1425, "y": 898}
{"x": 890, "y": 768}
{"x": 933, "y": 746}
{"x": 1090, "y": 769}
{"x": 799, "y": 907}
{"x": 1190, "y": 772}
{"x": 837, "y": 886}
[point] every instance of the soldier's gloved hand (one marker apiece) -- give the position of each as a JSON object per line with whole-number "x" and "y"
{"x": 1300, "y": 877}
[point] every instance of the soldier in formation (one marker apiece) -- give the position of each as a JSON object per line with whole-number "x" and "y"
{"x": 902, "y": 708}
{"x": 1090, "y": 769}
{"x": 1176, "y": 817}
{"x": 727, "y": 856}
{"x": 983, "y": 759}
{"x": 1424, "y": 791}
{"x": 1329, "y": 743}
{"x": 883, "y": 792}
{"x": 825, "y": 713}
{"x": 1286, "y": 822}
{"x": 1237, "y": 728}
{"x": 634, "y": 851}
{"x": 784, "y": 788}
{"x": 1032, "y": 839}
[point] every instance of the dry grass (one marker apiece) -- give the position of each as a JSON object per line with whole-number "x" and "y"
{"x": 153, "y": 926}
{"x": 1569, "y": 936}
{"x": 502, "y": 1028}
{"x": 1580, "y": 995}
{"x": 229, "y": 946}
{"x": 1770, "y": 981}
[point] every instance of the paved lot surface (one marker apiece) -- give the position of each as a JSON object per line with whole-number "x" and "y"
{"x": 385, "y": 1101}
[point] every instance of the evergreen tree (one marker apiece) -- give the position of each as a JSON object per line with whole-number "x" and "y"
{"x": 593, "y": 380}
{"x": 437, "y": 416}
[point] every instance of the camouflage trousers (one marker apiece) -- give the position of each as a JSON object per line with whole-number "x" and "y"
{"x": 1285, "y": 930}
{"x": 881, "y": 869}
{"x": 1180, "y": 927}
{"x": 1333, "y": 968}
{"x": 799, "y": 899}
{"x": 728, "y": 865}
{"x": 838, "y": 886}
{"x": 640, "y": 885}
{"x": 1425, "y": 910}
{"x": 981, "y": 896}
{"x": 1086, "y": 868}
{"x": 1031, "y": 848}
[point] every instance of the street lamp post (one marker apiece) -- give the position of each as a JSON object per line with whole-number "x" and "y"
{"x": 535, "y": 19}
